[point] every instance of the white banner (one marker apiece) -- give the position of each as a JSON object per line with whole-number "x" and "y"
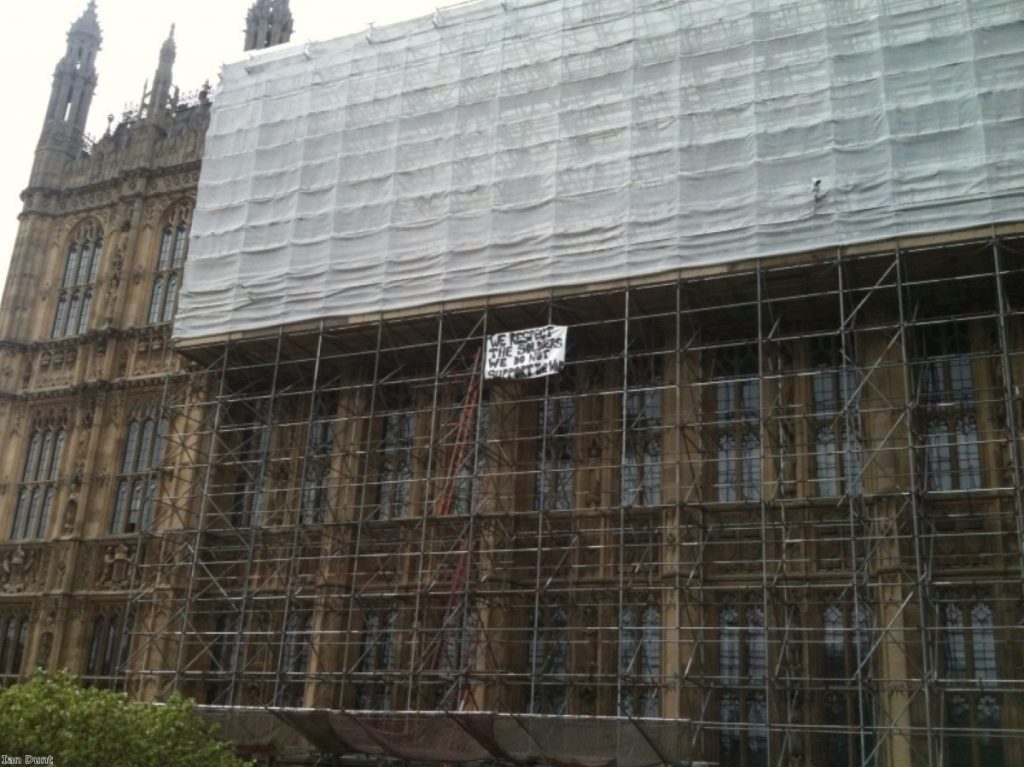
{"x": 527, "y": 353}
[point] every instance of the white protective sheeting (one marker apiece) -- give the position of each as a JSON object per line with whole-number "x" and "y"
{"x": 500, "y": 147}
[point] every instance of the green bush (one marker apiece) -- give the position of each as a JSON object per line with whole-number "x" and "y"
{"x": 53, "y": 715}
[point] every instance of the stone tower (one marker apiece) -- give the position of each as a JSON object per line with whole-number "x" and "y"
{"x": 161, "y": 96}
{"x": 74, "y": 82}
{"x": 269, "y": 23}
{"x": 85, "y": 326}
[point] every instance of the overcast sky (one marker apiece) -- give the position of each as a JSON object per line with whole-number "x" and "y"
{"x": 209, "y": 33}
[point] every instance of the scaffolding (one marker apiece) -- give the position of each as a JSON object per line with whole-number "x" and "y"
{"x": 778, "y": 504}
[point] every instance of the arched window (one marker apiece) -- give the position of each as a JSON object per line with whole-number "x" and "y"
{"x": 836, "y": 413}
{"x": 13, "y": 635}
{"x": 108, "y": 648}
{"x": 556, "y": 426}
{"x": 968, "y": 459}
{"x": 470, "y": 473}
{"x": 80, "y": 270}
{"x": 848, "y": 701}
{"x": 456, "y": 653}
{"x": 315, "y": 492}
{"x": 222, "y": 647}
{"x": 295, "y": 650}
{"x": 394, "y": 453}
{"x": 751, "y": 466}
{"x": 825, "y": 463}
{"x": 946, "y": 403}
{"x": 970, "y": 673}
{"x": 940, "y": 461}
{"x": 38, "y": 488}
{"x": 737, "y": 410}
{"x": 640, "y": 660}
{"x": 135, "y": 496}
{"x": 376, "y": 658}
{"x": 249, "y": 459}
{"x": 549, "y": 661}
{"x": 757, "y": 669}
{"x": 641, "y": 465}
{"x": 170, "y": 262}
{"x": 743, "y": 666}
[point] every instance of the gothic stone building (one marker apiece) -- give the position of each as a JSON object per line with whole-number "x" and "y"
{"x": 85, "y": 343}
{"x": 769, "y": 512}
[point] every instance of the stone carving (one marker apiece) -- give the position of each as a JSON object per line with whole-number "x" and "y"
{"x": 116, "y": 567}
{"x": 48, "y": 619}
{"x": 17, "y": 570}
{"x": 70, "y": 514}
{"x": 45, "y": 649}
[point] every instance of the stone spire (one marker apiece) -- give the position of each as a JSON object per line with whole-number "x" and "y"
{"x": 74, "y": 83}
{"x": 269, "y": 23}
{"x": 160, "y": 94}
{"x": 74, "y": 79}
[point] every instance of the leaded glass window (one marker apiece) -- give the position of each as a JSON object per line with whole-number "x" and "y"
{"x": 37, "y": 490}
{"x": 170, "y": 264}
{"x": 249, "y": 457}
{"x": 737, "y": 410}
{"x": 640, "y": 660}
{"x": 549, "y": 661}
{"x": 81, "y": 267}
{"x": 108, "y": 648}
{"x": 848, "y": 702}
{"x": 836, "y": 420}
{"x": 556, "y": 424}
{"x": 973, "y": 705}
{"x": 395, "y": 456}
{"x": 14, "y": 627}
{"x": 469, "y": 474}
{"x": 314, "y": 494}
{"x": 947, "y": 402}
{"x": 376, "y": 658}
{"x": 295, "y": 652}
{"x": 641, "y": 465}
{"x": 136, "y": 488}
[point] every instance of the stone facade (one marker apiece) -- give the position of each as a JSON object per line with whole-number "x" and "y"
{"x": 777, "y": 503}
{"x": 85, "y": 352}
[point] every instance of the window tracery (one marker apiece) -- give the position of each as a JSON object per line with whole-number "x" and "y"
{"x": 737, "y": 411}
{"x": 81, "y": 267}
{"x": 556, "y": 458}
{"x": 640, "y": 660}
{"x": 947, "y": 405}
{"x": 136, "y": 492}
{"x": 641, "y": 462}
{"x": 170, "y": 264}
{"x": 37, "y": 490}
{"x": 836, "y": 421}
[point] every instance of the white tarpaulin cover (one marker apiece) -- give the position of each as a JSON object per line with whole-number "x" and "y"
{"x": 506, "y": 146}
{"x": 529, "y": 353}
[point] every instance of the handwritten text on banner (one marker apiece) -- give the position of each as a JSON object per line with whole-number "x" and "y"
{"x": 529, "y": 353}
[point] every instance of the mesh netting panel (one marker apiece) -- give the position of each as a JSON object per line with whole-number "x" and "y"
{"x": 587, "y": 741}
{"x": 458, "y": 737}
{"x": 669, "y": 738}
{"x": 422, "y": 738}
{"x": 590, "y": 741}
{"x": 354, "y": 735}
{"x": 254, "y": 729}
{"x": 319, "y": 730}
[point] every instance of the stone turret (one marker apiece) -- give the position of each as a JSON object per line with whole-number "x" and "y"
{"x": 160, "y": 97}
{"x": 74, "y": 83}
{"x": 269, "y": 23}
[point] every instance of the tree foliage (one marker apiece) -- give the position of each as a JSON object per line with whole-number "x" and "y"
{"x": 53, "y": 715}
